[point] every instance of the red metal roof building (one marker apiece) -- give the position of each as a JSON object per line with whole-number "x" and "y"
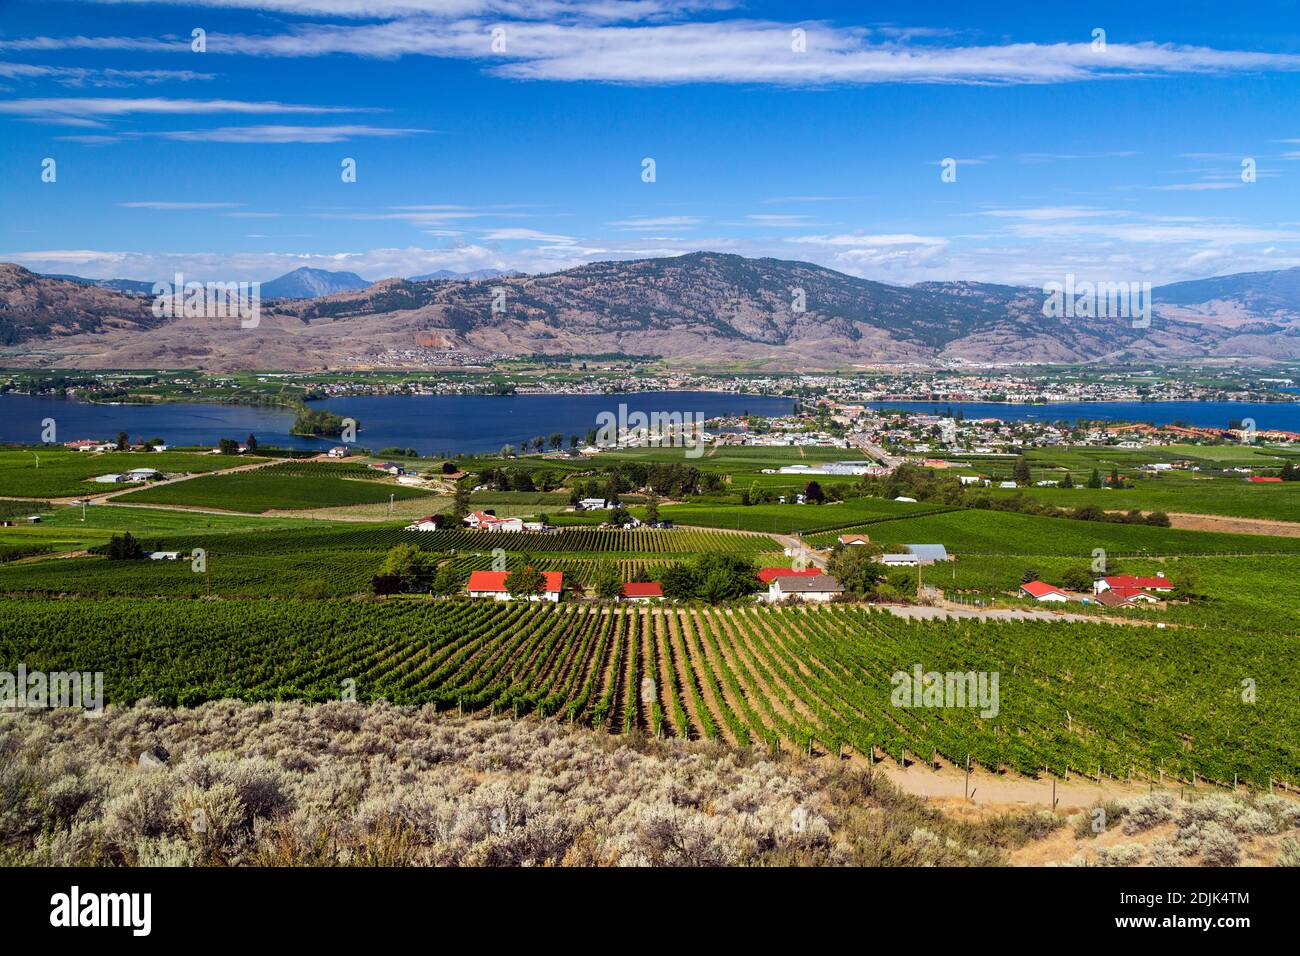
{"x": 493, "y": 584}
{"x": 768, "y": 575}
{"x": 642, "y": 590}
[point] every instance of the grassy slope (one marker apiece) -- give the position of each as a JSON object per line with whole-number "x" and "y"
{"x": 257, "y": 491}
{"x": 63, "y": 473}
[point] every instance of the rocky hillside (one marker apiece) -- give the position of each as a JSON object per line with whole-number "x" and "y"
{"x": 698, "y": 309}
{"x": 36, "y": 307}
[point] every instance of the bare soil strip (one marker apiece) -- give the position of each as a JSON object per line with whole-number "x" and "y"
{"x": 1224, "y": 523}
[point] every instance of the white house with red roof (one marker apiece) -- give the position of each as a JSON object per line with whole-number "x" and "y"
{"x": 482, "y": 521}
{"x": 1127, "y": 582}
{"x": 427, "y": 523}
{"x": 492, "y": 584}
{"x": 1042, "y": 591}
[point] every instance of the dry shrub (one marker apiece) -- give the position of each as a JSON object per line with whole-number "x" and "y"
{"x": 291, "y": 784}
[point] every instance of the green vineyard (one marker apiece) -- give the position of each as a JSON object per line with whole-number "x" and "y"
{"x": 289, "y": 486}
{"x": 1072, "y": 697}
{"x": 381, "y": 537}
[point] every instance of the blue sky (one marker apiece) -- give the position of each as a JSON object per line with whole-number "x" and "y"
{"x": 1114, "y": 161}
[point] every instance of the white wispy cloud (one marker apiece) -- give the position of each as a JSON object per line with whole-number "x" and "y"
{"x": 777, "y": 219}
{"x": 92, "y": 111}
{"x": 1198, "y": 187}
{"x": 529, "y": 235}
{"x": 1048, "y": 212}
{"x": 592, "y": 10}
{"x": 1071, "y": 157}
{"x": 640, "y": 43}
{"x": 285, "y": 134}
{"x": 865, "y": 240}
{"x": 97, "y": 77}
{"x": 657, "y": 222}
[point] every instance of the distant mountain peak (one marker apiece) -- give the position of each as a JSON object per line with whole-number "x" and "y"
{"x": 308, "y": 283}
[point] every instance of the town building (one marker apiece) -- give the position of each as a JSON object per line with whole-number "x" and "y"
{"x": 492, "y": 584}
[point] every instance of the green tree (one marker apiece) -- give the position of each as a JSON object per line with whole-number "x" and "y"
{"x": 460, "y": 501}
{"x": 122, "y": 441}
{"x": 1077, "y": 578}
{"x": 1068, "y": 480}
{"x": 711, "y": 577}
{"x": 1031, "y": 574}
{"x": 409, "y": 565}
{"x": 812, "y": 492}
{"x": 856, "y": 568}
{"x": 608, "y": 581}
{"x": 124, "y": 547}
{"x": 1094, "y": 480}
{"x": 251, "y": 444}
{"x": 557, "y": 440}
{"x": 1020, "y": 471}
{"x": 525, "y": 581}
{"x": 446, "y": 581}
{"x": 620, "y": 516}
{"x": 652, "y": 509}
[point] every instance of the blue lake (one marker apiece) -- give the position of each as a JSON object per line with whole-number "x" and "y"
{"x": 428, "y": 423}
{"x": 448, "y": 423}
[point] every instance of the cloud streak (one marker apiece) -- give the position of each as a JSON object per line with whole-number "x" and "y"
{"x": 613, "y": 43}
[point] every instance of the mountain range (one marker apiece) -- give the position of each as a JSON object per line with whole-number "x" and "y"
{"x": 700, "y": 309}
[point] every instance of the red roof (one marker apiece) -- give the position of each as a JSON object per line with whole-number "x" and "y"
{"x": 495, "y": 581}
{"x": 1040, "y": 588}
{"x": 643, "y": 589}
{"x": 1139, "y": 584}
{"x": 1127, "y": 593}
{"x": 1263, "y": 478}
{"x": 768, "y": 575}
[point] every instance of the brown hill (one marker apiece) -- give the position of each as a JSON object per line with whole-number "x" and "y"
{"x": 704, "y": 309}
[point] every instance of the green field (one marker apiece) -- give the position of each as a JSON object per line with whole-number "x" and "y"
{"x": 788, "y": 518}
{"x": 973, "y": 531}
{"x": 64, "y": 473}
{"x": 1179, "y": 493}
{"x": 1086, "y": 697}
{"x": 64, "y": 529}
{"x": 286, "y": 487}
